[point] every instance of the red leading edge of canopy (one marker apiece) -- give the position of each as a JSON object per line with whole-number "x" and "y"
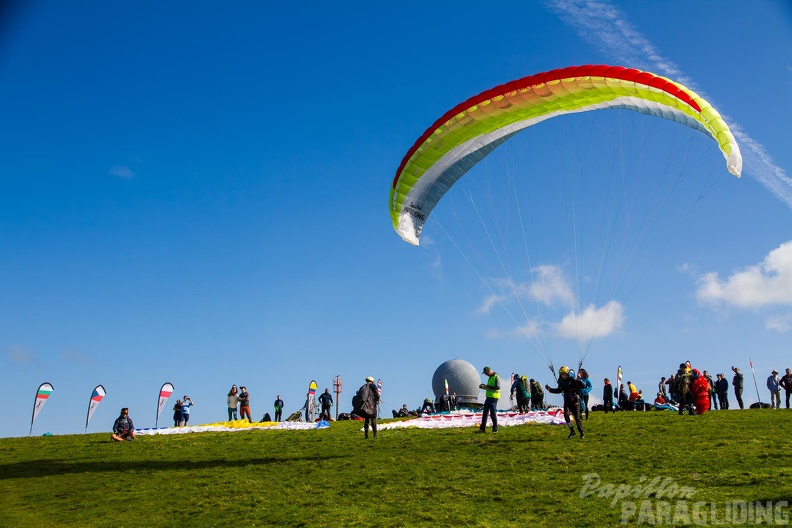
{"x": 602, "y": 70}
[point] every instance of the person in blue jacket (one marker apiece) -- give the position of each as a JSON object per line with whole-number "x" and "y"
{"x": 584, "y": 392}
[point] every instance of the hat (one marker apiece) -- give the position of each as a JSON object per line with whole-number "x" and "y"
{"x": 774, "y": 371}
{"x": 369, "y": 378}
{"x": 484, "y": 371}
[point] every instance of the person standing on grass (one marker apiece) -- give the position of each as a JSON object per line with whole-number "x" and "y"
{"x": 492, "y": 388}
{"x": 518, "y": 389}
{"x": 185, "y": 410}
{"x": 177, "y": 413}
{"x": 683, "y": 389}
{"x": 278, "y": 409}
{"x": 774, "y": 386}
{"x": 661, "y": 387}
{"x": 123, "y": 428}
{"x": 722, "y": 388}
{"x": 673, "y": 397}
{"x": 570, "y": 387}
{"x": 737, "y": 383}
{"x": 584, "y": 393}
{"x": 537, "y": 395}
{"x": 233, "y": 402}
{"x": 607, "y": 396}
{"x": 369, "y": 400}
{"x": 713, "y": 395}
{"x": 326, "y": 400}
{"x": 786, "y": 383}
{"x": 244, "y": 404}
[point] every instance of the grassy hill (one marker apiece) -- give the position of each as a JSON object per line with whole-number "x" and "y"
{"x": 724, "y": 462}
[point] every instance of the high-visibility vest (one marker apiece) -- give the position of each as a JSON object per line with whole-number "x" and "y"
{"x": 491, "y": 382}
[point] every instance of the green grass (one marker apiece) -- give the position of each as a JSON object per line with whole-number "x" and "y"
{"x": 525, "y": 475}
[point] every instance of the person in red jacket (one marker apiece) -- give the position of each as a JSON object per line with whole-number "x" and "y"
{"x": 700, "y": 388}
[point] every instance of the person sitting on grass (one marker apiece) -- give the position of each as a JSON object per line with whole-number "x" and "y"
{"x": 402, "y": 413}
{"x": 123, "y": 428}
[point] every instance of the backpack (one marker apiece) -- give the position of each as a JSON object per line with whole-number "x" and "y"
{"x": 683, "y": 383}
{"x": 362, "y": 403}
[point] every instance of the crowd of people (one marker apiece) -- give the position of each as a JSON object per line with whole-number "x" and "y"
{"x": 695, "y": 391}
{"x": 689, "y": 389}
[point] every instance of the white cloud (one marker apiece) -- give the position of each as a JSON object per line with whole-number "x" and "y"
{"x": 765, "y": 284}
{"x": 592, "y": 322}
{"x": 549, "y": 287}
{"x": 779, "y": 323}
{"x": 122, "y": 171}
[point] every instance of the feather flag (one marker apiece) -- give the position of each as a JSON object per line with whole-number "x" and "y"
{"x": 619, "y": 375}
{"x": 165, "y": 392}
{"x": 446, "y": 386}
{"x": 97, "y": 395}
{"x": 379, "y": 387}
{"x": 311, "y": 403}
{"x": 42, "y": 395}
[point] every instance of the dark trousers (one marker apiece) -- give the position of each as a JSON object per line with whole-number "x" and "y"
{"x": 723, "y": 397}
{"x": 572, "y": 408}
{"x": 738, "y": 395}
{"x": 788, "y": 393}
{"x": 491, "y": 408}
{"x": 373, "y": 420}
{"x": 278, "y": 415}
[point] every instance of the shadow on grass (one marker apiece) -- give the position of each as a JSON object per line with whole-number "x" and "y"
{"x": 51, "y": 467}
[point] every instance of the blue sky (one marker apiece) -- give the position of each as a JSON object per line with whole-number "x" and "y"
{"x": 197, "y": 193}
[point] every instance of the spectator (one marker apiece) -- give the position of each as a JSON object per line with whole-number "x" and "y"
{"x": 326, "y": 400}
{"x": 607, "y": 396}
{"x": 624, "y": 400}
{"x": 774, "y": 386}
{"x": 584, "y": 392}
{"x": 177, "y": 413}
{"x": 244, "y": 404}
{"x": 722, "y": 388}
{"x": 786, "y": 383}
{"x": 233, "y": 402}
{"x": 185, "y": 410}
{"x": 278, "y": 409}
{"x": 713, "y": 394}
{"x": 402, "y": 413}
{"x": 737, "y": 382}
{"x": 123, "y": 428}
{"x": 661, "y": 387}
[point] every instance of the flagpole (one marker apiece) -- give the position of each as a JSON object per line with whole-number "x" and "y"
{"x": 755, "y": 384}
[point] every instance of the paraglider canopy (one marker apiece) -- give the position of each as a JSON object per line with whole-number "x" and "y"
{"x": 467, "y": 133}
